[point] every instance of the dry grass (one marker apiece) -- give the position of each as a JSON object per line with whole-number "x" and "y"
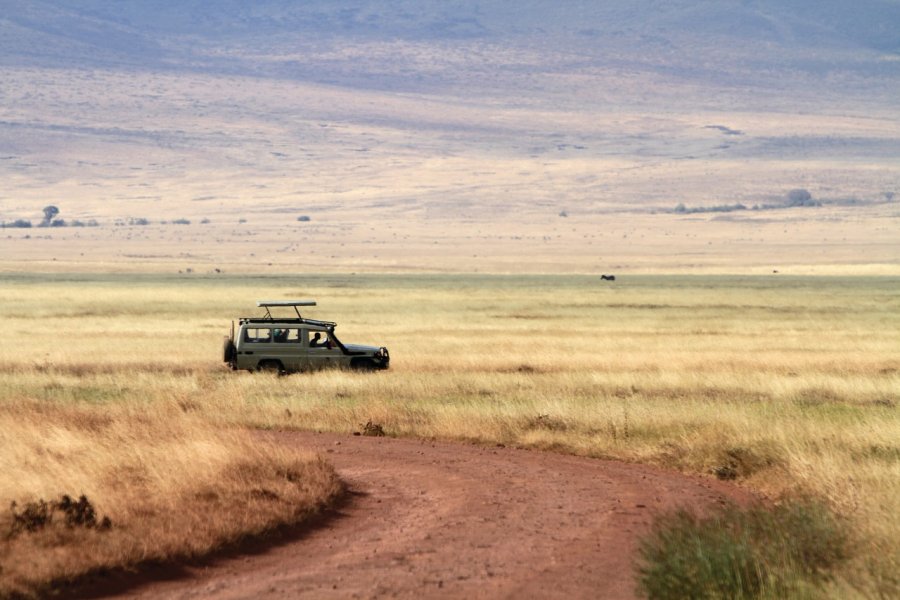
{"x": 440, "y": 181}
{"x": 172, "y": 486}
{"x": 787, "y": 385}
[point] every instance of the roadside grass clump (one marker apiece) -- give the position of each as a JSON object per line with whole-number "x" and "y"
{"x": 786, "y": 551}
{"x": 371, "y": 429}
{"x": 89, "y": 490}
{"x": 544, "y": 422}
{"x": 39, "y": 514}
{"x": 744, "y": 461}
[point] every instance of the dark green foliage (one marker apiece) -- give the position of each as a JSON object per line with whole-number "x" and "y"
{"x": 19, "y": 223}
{"x": 49, "y": 213}
{"x": 682, "y": 209}
{"x": 785, "y": 551}
{"x": 800, "y": 197}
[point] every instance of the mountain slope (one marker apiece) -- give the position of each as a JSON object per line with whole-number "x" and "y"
{"x": 436, "y": 113}
{"x": 137, "y": 29}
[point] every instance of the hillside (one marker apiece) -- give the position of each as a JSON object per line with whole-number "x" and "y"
{"x": 423, "y": 116}
{"x": 706, "y": 40}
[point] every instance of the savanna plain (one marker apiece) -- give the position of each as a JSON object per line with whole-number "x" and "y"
{"x": 112, "y": 388}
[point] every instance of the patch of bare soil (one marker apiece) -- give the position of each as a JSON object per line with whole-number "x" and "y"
{"x": 433, "y": 519}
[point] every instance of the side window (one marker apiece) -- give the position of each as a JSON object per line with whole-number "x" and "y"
{"x": 257, "y": 335}
{"x": 287, "y": 336}
{"x": 322, "y": 340}
{"x": 295, "y": 336}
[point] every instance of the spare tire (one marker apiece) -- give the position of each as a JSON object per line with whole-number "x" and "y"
{"x": 228, "y": 350}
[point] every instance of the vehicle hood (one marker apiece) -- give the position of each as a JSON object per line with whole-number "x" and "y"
{"x": 362, "y": 348}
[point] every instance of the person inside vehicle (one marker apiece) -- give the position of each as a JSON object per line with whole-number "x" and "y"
{"x": 319, "y": 342}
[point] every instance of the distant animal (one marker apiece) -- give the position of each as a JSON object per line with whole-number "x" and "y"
{"x": 608, "y": 277}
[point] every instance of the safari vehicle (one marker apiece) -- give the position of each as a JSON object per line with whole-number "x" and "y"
{"x": 292, "y": 344}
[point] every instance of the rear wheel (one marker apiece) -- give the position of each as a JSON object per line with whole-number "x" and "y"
{"x": 271, "y": 366}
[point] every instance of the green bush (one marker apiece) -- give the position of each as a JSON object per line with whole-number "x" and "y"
{"x": 788, "y": 550}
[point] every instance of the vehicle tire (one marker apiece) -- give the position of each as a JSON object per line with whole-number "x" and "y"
{"x": 271, "y": 366}
{"x": 228, "y": 350}
{"x": 362, "y": 364}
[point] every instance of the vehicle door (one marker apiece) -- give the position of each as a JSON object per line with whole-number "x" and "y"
{"x": 323, "y": 351}
{"x": 288, "y": 346}
{"x": 255, "y": 346}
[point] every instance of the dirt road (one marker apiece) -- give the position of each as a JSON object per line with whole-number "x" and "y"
{"x": 457, "y": 521}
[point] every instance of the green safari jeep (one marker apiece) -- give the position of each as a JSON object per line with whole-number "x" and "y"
{"x": 292, "y": 344}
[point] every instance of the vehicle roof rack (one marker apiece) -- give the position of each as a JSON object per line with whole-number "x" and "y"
{"x": 287, "y": 321}
{"x": 267, "y": 304}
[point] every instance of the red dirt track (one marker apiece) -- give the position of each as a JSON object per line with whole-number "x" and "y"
{"x": 434, "y": 519}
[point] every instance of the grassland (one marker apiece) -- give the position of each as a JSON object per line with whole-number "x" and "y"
{"x": 788, "y": 385}
{"x": 464, "y": 179}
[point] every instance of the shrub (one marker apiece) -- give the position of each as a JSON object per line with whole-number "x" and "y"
{"x": 682, "y": 209}
{"x": 545, "y": 423}
{"x": 373, "y": 429}
{"x": 49, "y": 213}
{"x": 18, "y": 223}
{"x": 181, "y": 222}
{"x": 801, "y": 197}
{"x": 138, "y": 221}
{"x": 303, "y": 218}
{"x": 40, "y": 514}
{"x": 784, "y": 551}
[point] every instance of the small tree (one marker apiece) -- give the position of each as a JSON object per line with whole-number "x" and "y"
{"x": 800, "y": 197}
{"x": 49, "y": 212}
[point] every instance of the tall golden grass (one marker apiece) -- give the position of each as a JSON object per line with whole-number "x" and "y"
{"x": 786, "y": 385}
{"x": 171, "y": 485}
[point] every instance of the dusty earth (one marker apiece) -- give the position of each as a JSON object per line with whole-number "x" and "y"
{"x": 434, "y": 519}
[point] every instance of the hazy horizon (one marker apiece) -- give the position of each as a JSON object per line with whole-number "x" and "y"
{"x": 424, "y": 117}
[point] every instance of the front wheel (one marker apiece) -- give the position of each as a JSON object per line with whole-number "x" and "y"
{"x": 363, "y": 364}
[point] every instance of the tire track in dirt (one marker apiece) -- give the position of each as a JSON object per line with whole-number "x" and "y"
{"x": 435, "y": 519}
